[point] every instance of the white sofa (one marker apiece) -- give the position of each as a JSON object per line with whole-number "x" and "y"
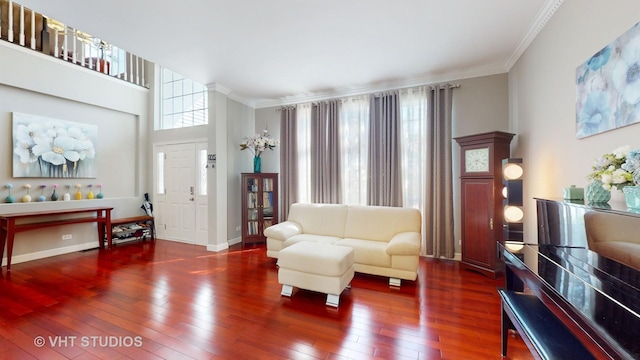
{"x": 386, "y": 240}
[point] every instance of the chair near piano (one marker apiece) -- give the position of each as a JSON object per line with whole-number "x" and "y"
{"x": 614, "y": 236}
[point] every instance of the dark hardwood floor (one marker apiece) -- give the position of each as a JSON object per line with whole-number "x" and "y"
{"x": 168, "y": 300}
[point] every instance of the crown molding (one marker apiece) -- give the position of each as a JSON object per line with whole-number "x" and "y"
{"x": 538, "y": 24}
{"x": 215, "y": 87}
{"x": 244, "y": 101}
{"x": 372, "y": 88}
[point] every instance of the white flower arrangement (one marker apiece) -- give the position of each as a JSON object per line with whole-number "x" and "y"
{"x": 618, "y": 169}
{"x": 259, "y": 143}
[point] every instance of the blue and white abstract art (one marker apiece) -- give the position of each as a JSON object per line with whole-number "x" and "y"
{"x": 608, "y": 86}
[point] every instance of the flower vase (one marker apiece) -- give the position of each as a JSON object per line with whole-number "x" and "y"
{"x": 41, "y": 197}
{"x": 257, "y": 164}
{"x": 26, "y": 198}
{"x": 99, "y": 196}
{"x": 632, "y": 197}
{"x": 66, "y": 197}
{"x": 90, "y": 195}
{"x": 78, "y": 195}
{"x": 54, "y": 195}
{"x": 595, "y": 193}
{"x": 10, "y": 199}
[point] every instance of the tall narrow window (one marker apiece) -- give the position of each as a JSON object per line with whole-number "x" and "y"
{"x": 202, "y": 182}
{"x": 160, "y": 174}
{"x": 413, "y": 107}
{"x": 184, "y": 102}
{"x": 303, "y": 116}
{"x": 354, "y": 131}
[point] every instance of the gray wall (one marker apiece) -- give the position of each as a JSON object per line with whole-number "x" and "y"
{"x": 480, "y": 105}
{"x": 542, "y": 92}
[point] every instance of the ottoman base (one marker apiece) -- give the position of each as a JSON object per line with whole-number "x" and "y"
{"x": 317, "y": 267}
{"x": 332, "y": 286}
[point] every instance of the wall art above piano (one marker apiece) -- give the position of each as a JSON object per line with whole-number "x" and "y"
{"x": 51, "y": 148}
{"x": 608, "y": 86}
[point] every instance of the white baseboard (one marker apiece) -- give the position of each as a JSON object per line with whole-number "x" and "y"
{"x": 234, "y": 241}
{"x": 16, "y": 259}
{"x": 218, "y": 247}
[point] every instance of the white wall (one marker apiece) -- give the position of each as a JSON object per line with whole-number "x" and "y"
{"x": 542, "y": 92}
{"x": 36, "y": 84}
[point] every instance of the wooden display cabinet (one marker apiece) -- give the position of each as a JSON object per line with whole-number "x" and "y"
{"x": 481, "y": 199}
{"x": 259, "y": 206}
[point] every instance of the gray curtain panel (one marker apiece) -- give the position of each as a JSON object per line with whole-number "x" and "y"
{"x": 326, "y": 184}
{"x": 438, "y": 212}
{"x": 288, "y": 159}
{"x": 384, "y": 185}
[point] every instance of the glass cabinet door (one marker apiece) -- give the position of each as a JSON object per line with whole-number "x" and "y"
{"x": 259, "y": 205}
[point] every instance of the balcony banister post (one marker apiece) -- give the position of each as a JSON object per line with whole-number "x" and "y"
{"x": 33, "y": 30}
{"x": 10, "y": 22}
{"x": 21, "y": 35}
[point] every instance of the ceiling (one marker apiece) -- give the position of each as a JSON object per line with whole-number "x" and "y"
{"x": 285, "y": 51}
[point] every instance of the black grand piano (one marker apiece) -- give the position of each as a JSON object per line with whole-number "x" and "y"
{"x": 597, "y": 297}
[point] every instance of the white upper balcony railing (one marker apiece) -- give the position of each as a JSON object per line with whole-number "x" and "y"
{"x": 27, "y": 28}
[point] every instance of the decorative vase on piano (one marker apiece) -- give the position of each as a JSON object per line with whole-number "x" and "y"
{"x": 632, "y": 197}
{"x": 596, "y": 194}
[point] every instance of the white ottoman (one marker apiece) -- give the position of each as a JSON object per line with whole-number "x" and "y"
{"x": 317, "y": 267}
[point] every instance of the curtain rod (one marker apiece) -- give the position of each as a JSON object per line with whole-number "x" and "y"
{"x": 440, "y": 86}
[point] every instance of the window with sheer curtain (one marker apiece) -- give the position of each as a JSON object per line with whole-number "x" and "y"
{"x": 354, "y": 133}
{"x": 425, "y": 141}
{"x": 413, "y": 115}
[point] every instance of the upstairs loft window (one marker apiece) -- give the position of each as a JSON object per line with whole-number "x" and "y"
{"x": 184, "y": 102}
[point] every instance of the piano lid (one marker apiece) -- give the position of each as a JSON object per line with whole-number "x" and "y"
{"x": 604, "y": 292}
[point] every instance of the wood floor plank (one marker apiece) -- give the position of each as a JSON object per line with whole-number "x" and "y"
{"x": 184, "y": 302}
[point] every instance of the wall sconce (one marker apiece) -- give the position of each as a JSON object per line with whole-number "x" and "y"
{"x": 512, "y": 172}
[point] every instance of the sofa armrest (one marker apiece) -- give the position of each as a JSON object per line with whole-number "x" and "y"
{"x": 283, "y": 230}
{"x": 406, "y": 243}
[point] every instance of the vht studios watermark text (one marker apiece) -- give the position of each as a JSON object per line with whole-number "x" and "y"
{"x": 88, "y": 341}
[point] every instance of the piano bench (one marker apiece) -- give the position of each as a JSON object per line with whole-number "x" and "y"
{"x": 545, "y": 335}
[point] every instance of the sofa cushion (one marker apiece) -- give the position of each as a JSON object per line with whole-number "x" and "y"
{"x": 380, "y": 223}
{"x": 320, "y": 219}
{"x": 312, "y": 238}
{"x": 368, "y": 252}
{"x": 314, "y": 258}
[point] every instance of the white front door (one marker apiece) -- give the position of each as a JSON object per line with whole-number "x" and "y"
{"x": 180, "y": 193}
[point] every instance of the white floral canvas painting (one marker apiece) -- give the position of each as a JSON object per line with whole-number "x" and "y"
{"x": 51, "y": 148}
{"x": 608, "y": 86}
